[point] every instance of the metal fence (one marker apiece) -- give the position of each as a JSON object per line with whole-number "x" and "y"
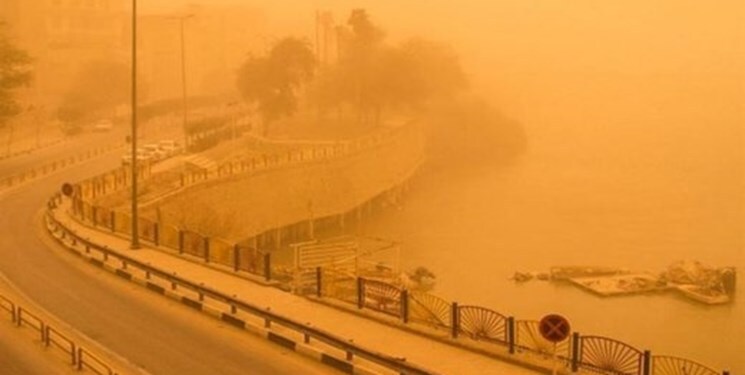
{"x": 255, "y": 259}
{"x": 50, "y": 337}
{"x": 155, "y": 277}
{"x": 590, "y": 353}
{"x": 17, "y": 179}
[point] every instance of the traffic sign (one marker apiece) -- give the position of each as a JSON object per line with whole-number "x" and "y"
{"x": 67, "y": 189}
{"x": 554, "y": 328}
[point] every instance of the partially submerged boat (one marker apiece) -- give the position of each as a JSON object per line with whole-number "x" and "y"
{"x": 708, "y": 285}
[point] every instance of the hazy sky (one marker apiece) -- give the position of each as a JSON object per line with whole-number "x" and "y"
{"x": 515, "y": 43}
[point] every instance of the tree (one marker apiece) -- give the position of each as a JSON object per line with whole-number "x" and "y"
{"x": 272, "y": 82}
{"x": 98, "y": 88}
{"x": 372, "y": 76}
{"x": 15, "y": 71}
{"x": 426, "y": 70}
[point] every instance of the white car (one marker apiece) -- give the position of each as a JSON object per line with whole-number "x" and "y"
{"x": 154, "y": 151}
{"x": 103, "y": 126}
{"x": 142, "y": 157}
{"x": 170, "y": 147}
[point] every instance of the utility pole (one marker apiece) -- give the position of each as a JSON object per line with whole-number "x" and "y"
{"x": 183, "y": 77}
{"x": 135, "y": 232}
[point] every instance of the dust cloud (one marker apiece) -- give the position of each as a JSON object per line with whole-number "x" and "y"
{"x": 595, "y": 133}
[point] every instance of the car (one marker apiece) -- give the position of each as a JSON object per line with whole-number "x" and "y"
{"x": 154, "y": 151}
{"x": 170, "y": 147}
{"x": 103, "y": 126}
{"x": 142, "y": 157}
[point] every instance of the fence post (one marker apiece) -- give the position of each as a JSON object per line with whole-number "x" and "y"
{"x": 405, "y": 306}
{"x": 647, "y": 362}
{"x": 206, "y": 249}
{"x": 511, "y": 334}
{"x": 156, "y": 234}
{"x": 267, "y": 266}
{"x": 94, "y": 212}
{"x": 236, "y": 258}
{"x": 575, "y": 351}
{"x": 360, "y": 292}
{"x": 180, "y": 241}
{"x": 113, "y": 217}
{"x": 318, "y": 282}
{"x": 455, "y": 317}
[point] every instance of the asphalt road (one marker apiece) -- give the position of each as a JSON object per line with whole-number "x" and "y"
{"x": 150, "y": 331}
{"x": 73, "y": 146}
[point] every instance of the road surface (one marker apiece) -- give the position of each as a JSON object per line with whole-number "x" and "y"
{"x": 154, "y": 333}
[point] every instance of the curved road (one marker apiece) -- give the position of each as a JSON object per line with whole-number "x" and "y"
{"x": 152, "y": 332}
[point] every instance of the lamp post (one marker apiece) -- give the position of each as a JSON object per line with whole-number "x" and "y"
{"x": 135, "y": 244}
{"x": 183, "y": 74}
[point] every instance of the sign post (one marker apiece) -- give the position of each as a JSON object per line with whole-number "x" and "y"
{"x": 554, "y": 328}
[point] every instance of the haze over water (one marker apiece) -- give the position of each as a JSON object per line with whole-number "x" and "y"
{"x": 634, "y": 116}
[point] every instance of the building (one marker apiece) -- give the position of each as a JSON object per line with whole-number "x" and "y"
{"x": 63, "y": 36}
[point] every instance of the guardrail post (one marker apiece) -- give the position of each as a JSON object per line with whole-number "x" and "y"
{"x": 455, "y": 317}
{"x": 267, "y": 266}
{"x": 180, "y": 241}
{"x": 236, "y": 258}
{"x": 647, "y": 362}
{"x": 360, "y": 293}
{"x": 206, "y": 249}
{"x": 511, "y": 334}
{"x": 318, "y": 282}
{"x": 575, "y": 351}
{"x": 42, "y": 331}
{"x": 405, "y": 306}
{"x": 80, "y": 359}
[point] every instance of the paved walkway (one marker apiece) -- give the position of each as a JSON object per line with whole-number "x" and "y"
{"x": 431, "y": 354}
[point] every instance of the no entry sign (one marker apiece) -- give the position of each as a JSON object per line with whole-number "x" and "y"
{"x": 554, "y": 328}
{"x": 67, "y": 189}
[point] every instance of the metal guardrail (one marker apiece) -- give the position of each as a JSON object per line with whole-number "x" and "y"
{"x": 269, "y": 317}
{"x": 87, "y": 360}
{"x": 19, "y": 178}
{"x": 51, "y": 337}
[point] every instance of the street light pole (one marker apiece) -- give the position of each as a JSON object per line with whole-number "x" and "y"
{"x": 135, "y": 232}
{"x": 183, "y": 77}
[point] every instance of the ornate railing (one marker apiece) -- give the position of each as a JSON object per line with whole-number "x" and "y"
{"x": 609, "y": 356}
{"x": 474, "y": 323}
{"x": 668, "y": 365}
{"x": 482, "y": 324}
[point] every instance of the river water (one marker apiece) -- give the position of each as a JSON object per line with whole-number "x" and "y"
{"x": 639, "y": 183}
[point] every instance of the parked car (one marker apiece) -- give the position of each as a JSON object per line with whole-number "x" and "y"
{"x": 154, "y": 151}
{"x": 142, "y": 157}
{"x": 170, "y": 147}
{"x": 103, "y": 126}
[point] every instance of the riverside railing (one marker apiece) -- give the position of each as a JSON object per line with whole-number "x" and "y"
{"x": 50, "y": 337}
{"x": 251, "y": 256}
{"x": 473, "y": 323}
{"x": 155, "y": 277}
{"x": 580, "y": 352}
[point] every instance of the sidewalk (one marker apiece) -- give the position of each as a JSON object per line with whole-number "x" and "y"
{"x": 431, "y": 354}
